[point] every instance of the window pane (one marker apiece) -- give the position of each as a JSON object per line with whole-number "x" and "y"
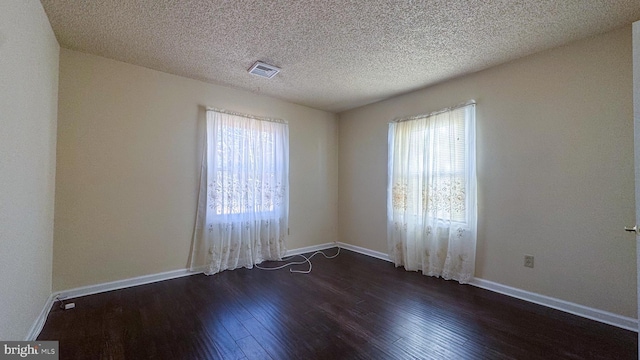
{"x": 249, "y": 166}
{"x": 429, "y": 175}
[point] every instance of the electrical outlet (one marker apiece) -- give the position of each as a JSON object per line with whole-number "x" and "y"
{"x": 528, "y": 261}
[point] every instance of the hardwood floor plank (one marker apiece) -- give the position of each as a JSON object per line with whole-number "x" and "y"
{"x": 277, "y": 348}
{"x": 252, "y": 349}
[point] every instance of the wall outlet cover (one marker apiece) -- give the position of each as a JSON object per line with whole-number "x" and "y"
{"x": 528, "y": 261}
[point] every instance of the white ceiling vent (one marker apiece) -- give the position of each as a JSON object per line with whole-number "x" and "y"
{"x": 264, "y": 70}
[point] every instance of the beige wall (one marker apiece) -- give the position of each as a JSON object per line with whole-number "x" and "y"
{"x": 28, "y": 112}
{"x": 555, "y": 170}
{"x": 129, "y": 142}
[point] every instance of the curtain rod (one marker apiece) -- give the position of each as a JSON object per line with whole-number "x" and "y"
{"x": 422, "y": 116}
{"x": 259, "y": 118}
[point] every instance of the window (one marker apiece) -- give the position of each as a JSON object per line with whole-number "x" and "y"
{"x": 430, "y": 164}
{"x": 431, "y": 195}
{"x": 247, "y": 173}
{"x": 242, "y": 217}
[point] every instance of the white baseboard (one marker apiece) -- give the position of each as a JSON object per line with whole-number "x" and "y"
{"x": 38, "y": 324}
{"x": 558, "y": 304}
{"x": 147, "y": 279}
{"x": 602, "y": 316}
{"x": 124, "y": 283}
{"x": 365, "y": 251}
{"x": 309, "y": 249}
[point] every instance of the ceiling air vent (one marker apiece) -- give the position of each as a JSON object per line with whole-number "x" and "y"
{"x": 264, "y": 70}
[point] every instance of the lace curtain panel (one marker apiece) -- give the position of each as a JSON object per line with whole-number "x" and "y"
{"x": 243, "y": 203}
{"x": 431, "y": 196}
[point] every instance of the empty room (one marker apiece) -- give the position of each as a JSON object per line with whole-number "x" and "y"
{"x": 212, "y": 179}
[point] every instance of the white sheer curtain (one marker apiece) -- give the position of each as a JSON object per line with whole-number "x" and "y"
{"x": 431, "y": 195}
{"x": 243, "y": 205}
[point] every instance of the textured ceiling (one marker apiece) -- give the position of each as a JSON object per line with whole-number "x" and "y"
{"x": 334, "y": 55}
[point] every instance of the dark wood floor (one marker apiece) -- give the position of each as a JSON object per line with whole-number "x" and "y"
{"x": 350, "y": 307}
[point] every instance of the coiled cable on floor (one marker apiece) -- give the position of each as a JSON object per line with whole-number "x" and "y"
{"x": 306, "y": 260}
